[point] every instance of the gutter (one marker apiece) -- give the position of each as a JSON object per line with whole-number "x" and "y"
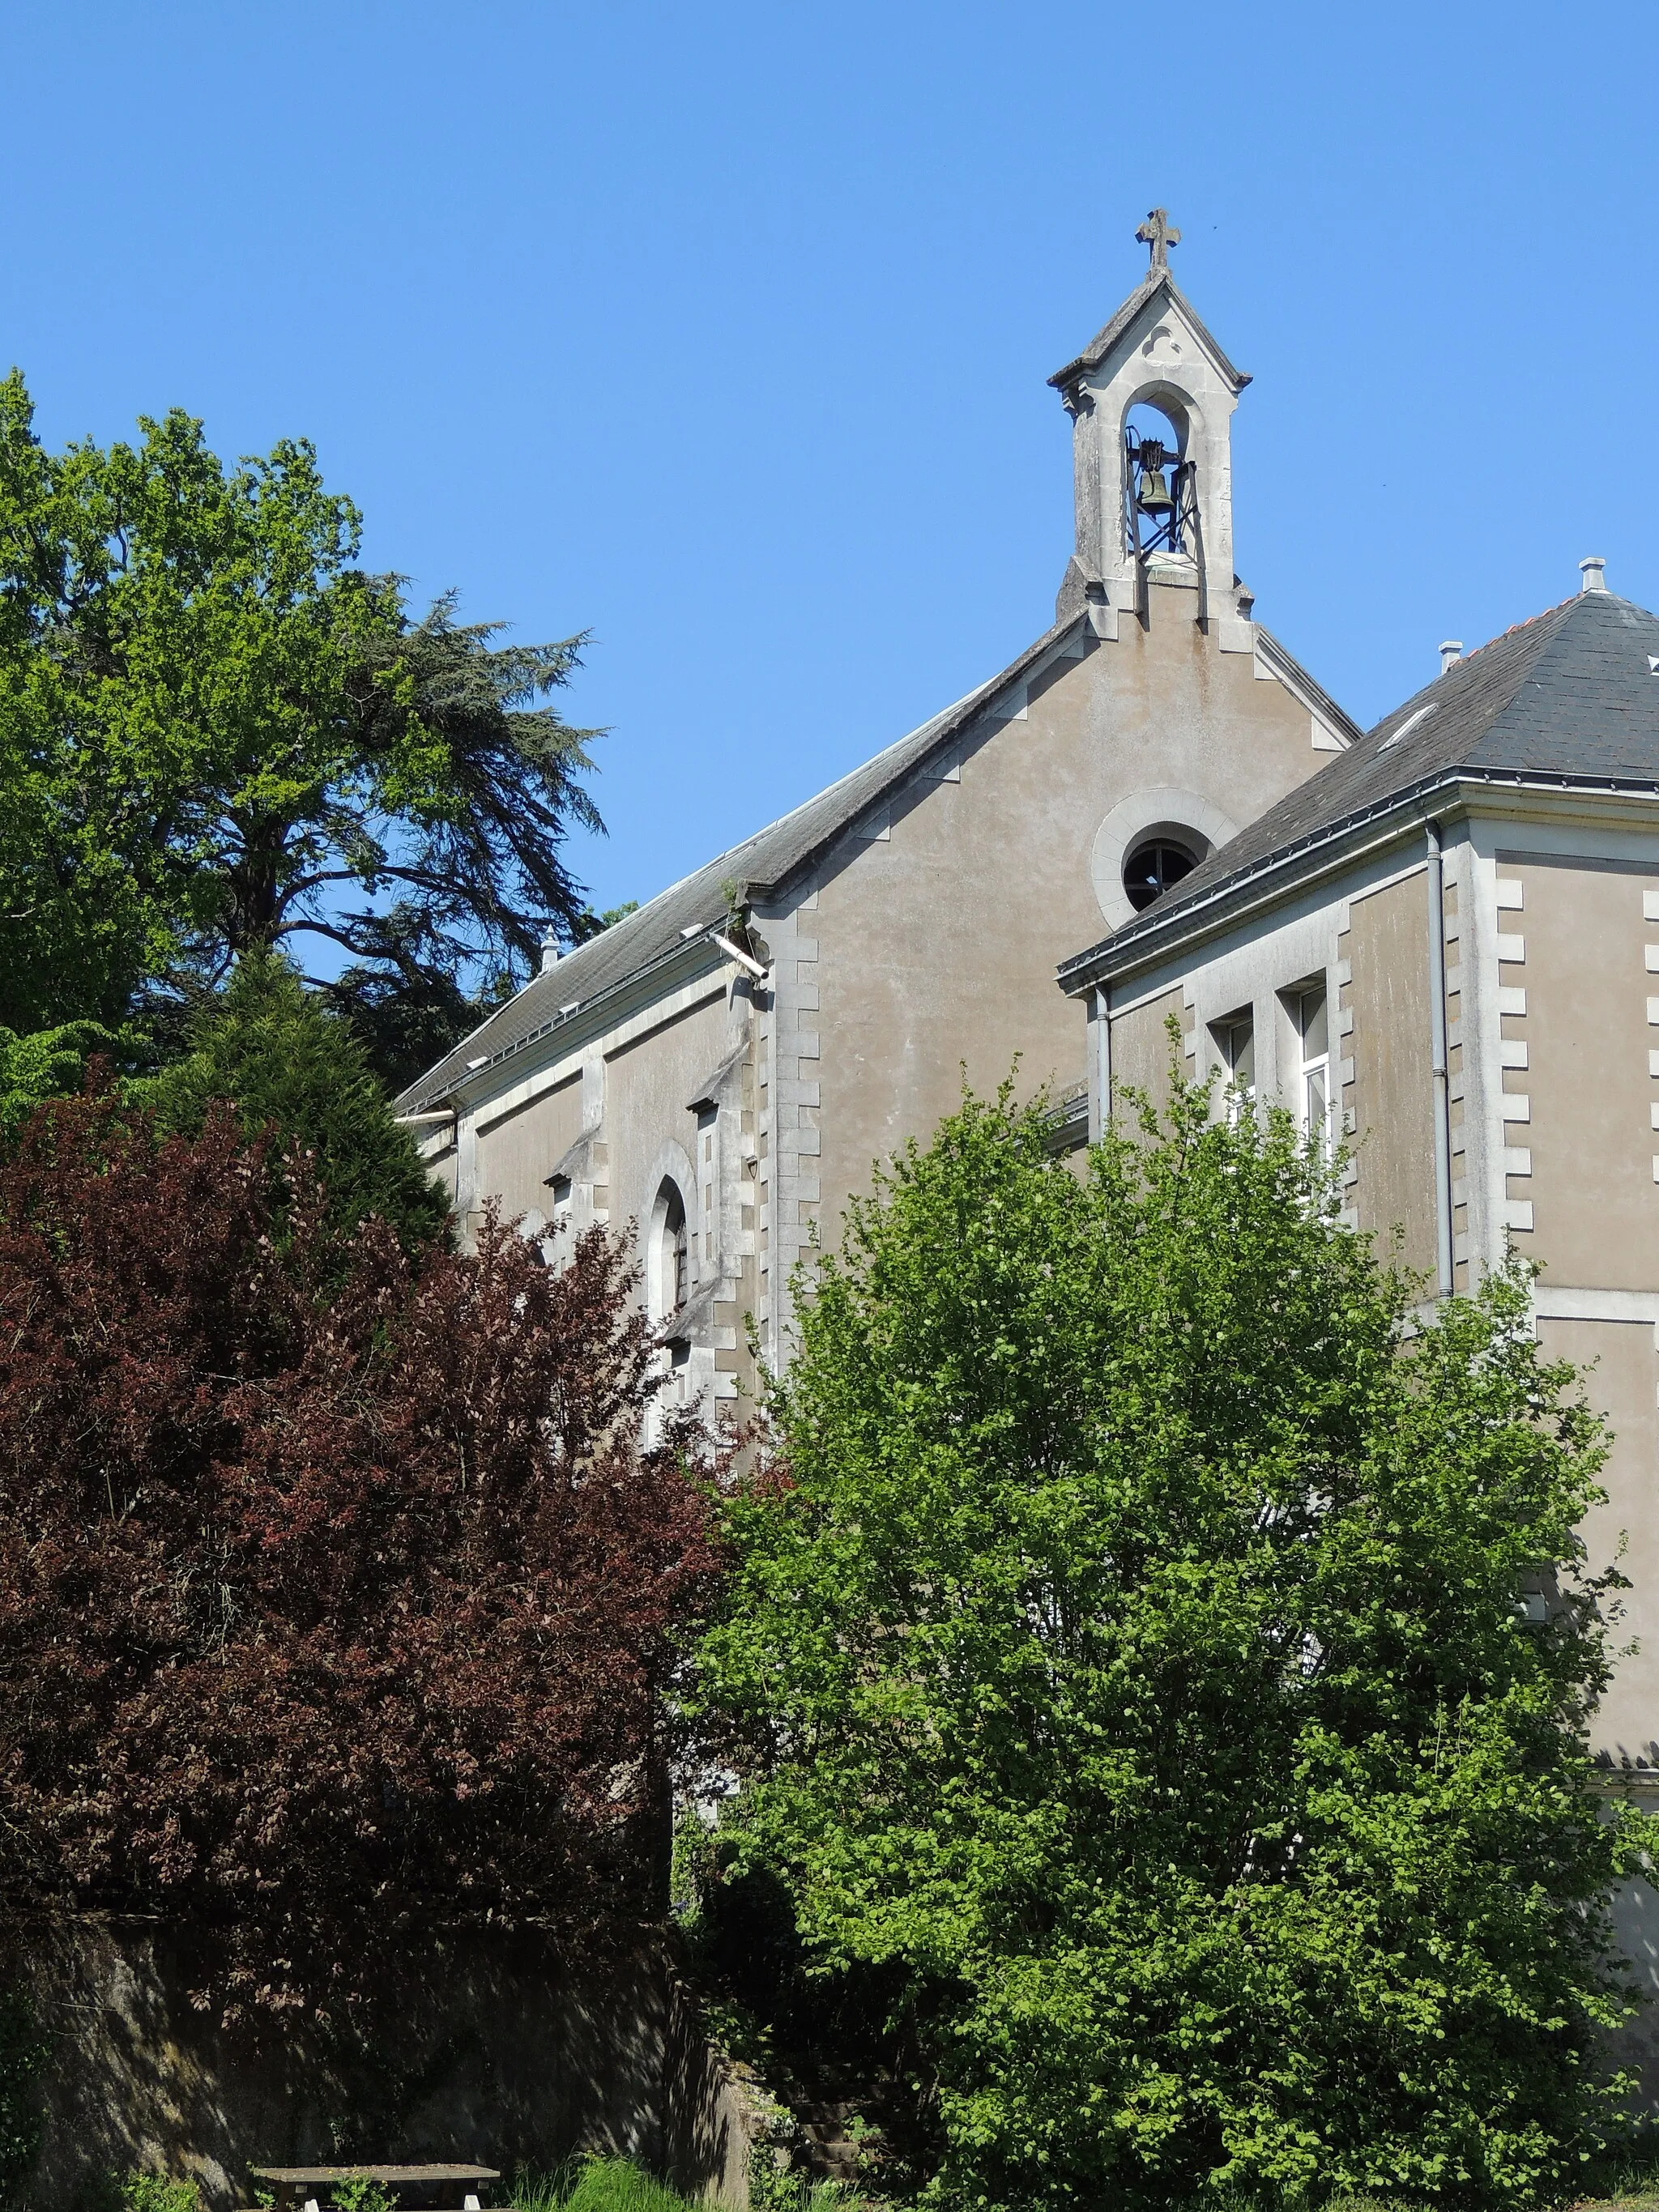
{"x": 1443, "y": 1205}
{"x": 453, "y": 1082}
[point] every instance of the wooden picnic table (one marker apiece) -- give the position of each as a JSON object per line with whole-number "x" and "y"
{"x": 294, "y": 2184}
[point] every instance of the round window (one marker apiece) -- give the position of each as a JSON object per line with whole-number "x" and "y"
{"x": 1153, "y": 868}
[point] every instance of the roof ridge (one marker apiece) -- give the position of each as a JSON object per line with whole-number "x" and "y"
{"x": 1515, "y": 629}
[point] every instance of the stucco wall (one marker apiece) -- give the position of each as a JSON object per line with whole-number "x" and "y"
{"x": 1622, "y": 1385}
{"x": 647, "y": 1084}
{"x": 1393, "y": 1090}
{"x": 1141, "y": 1051}
{"x": 489, "y": 2050}
{"x": 936, "y": 944}
{"x": 1578, "y": 939}
{"x": 1595, "y": 1202}
{"x": 516, "y": 1155}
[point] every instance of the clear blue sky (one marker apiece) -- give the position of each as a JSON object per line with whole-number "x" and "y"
{"x": 722, "y": 331}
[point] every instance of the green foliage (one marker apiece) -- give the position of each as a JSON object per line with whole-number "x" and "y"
{"x": 217, "y": 731}
{"x": 23, "y": 2053}
{"x": 1126, "y": 1654}
{"x": 775, "y": 2188}
{"x": 47, "y": 1063}
{"x": 595, "y": 2185}
{"x": 407, "y": 1020}
{"x": 267, "y": 1044}
{"x": 149, "y": 2192}
{"x": 135, "y": 2190}
{"x": 595, "y": 925}
{"x": 363, "y": 2193}
{"x": 617, "y": 2184}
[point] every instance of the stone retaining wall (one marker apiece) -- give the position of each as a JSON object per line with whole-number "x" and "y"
{"x": 493, "y": 2050}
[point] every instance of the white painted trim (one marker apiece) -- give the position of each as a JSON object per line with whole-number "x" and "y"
{"x": 1558, "y": 1301}
{"x": 674, "y": 1164}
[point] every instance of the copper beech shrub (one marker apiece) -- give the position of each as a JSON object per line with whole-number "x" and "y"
{"x": 336, "y": 1595}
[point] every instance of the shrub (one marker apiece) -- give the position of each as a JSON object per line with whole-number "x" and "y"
{"x": 363, "y": 2193}
{"x": 1125, "y": 1655}
{"x": 22, "y": 2056}
{"x": 336, "y": 1595}
{"x": 149, "y": 2192}
{"x": 285, "y": 1062}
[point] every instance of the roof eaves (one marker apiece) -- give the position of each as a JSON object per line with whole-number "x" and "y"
{"x": 567, "y": 1017}
{"x": 1223, "y": 902}
{"x": 950, "y": 727}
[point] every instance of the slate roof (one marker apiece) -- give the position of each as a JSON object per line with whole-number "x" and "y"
{"x": 1570, "y": 697}
{"x": 697, "y": 903}
{"x": 1157, "y": 281}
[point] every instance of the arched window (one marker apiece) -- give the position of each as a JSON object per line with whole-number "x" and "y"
{"x": 670, "y": 1253}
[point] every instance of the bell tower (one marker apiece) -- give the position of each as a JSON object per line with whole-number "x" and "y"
{"x": 1151, "y": 400}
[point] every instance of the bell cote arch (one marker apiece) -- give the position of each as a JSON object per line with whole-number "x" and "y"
{"x": 1170, "y": 522}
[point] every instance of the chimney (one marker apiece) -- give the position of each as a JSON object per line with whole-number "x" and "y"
{"x": 1593, "y": 572}
{"x": 549, "y": 952}
{"x": 1451, "y": 652}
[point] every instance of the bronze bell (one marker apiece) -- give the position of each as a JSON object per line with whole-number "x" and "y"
{"x": 1153, "y": 492}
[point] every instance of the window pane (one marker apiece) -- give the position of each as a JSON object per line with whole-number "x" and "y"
{"x": 1316, "y": 1115}
{"x": 1314, "y": 1027}
{"x": 1152, "y": 869}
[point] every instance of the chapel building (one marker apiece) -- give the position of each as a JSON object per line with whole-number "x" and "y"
{"x": 717, "y": 1073}
{"x": 1436, "y": 943}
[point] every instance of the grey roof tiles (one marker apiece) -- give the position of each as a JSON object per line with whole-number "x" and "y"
{"x": 697, "y": 902}
{"x": 1570, "y": 697}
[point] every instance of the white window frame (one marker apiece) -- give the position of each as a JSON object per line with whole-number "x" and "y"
{"x": 1227, "y": 1033}
{"x": 1314, "y": 1068}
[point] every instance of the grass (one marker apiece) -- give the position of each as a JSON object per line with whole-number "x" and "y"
{"x": 595, "y": 2184}
{"x": 616, "y": 2185}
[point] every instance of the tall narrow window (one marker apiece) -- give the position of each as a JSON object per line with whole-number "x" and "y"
{"x": 1235, "y": 1042}
{"x": 1313, "y": 1027}
{"x": 669, "y": 1253}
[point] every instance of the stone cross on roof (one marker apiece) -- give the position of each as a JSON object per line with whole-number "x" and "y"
{"x": 1156, "y": 234}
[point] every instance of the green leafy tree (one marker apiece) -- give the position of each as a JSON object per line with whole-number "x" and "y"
{"x": 1126, "y": 1656}
{"x": 217, "y": 731}
{"x": 285, "y": 1061}
{"x": 45, "y": 1063}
